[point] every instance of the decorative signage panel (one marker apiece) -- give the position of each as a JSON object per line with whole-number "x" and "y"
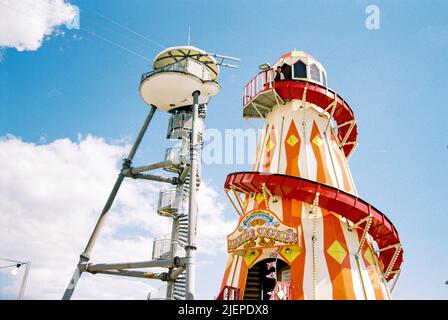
{"x": 261, "y": 229}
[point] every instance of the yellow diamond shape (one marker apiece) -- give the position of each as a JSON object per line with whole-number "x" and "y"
{"x": 337, "y": 252}
{"x": 369, "y": 257}
{"x": 292, "y": 140}
{"x": 317, "y": 141}
{"x": 290, "y": 253}
{"x": 270, "y": 145}
{"x": 250, "y": 256}
{"x": 259, "y": 198}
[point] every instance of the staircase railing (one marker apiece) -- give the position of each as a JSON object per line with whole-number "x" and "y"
{"x": 229, "y": 293}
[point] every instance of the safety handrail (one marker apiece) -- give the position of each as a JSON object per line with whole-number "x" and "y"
{"x": 229, "y": 293}
{"x": 260, "y": 82}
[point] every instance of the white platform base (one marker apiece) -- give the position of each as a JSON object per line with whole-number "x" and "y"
{"x": 170, "y": 90}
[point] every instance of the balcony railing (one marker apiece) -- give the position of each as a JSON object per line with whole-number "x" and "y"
{"x": 262, "y": 81}
{"x": 178, "y": 155}
{"x": 170, "y": 202}
{"x": 166, "y": 248}
{"x": 158, "y": 294}
{"x": 187, "y": 66}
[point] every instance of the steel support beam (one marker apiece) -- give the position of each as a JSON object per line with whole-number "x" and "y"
{"x": 149, "y": 167}
{"x": 190, "y": 248}
{"x": 24, "y": 280}
{"x": 233, "y": 203}
{"x": 152, "y": 177}
{"x": 85, "y": 255}
{"x": 162, "y": 263}
{"x": 133, "y": 274}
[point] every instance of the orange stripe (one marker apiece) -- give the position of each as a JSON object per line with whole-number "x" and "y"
{"x": 338, "y": 152}
{"x": 227, "y": 272}
{"x": 246, "y": 202}
{"x": 292, "y": 215}
{"x": 371, "y": 270}
{"x": 292, "y": 148}
{"x": 340, "y": 273}
{"x": 320, "y": 154}
{"x": 270, "y": 147}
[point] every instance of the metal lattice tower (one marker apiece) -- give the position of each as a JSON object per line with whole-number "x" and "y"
{"x": 182, "y": 82}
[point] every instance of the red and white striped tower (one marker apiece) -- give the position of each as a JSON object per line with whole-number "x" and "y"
{"x": 299, "y": 207}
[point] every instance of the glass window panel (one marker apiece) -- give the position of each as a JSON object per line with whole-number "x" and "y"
{"x": 315, "y": 73}
{"x": 299, "y": 70}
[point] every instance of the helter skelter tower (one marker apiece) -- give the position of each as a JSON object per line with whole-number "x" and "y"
{"x": 303, "y": 232}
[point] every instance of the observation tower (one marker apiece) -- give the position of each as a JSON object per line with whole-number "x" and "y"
{"x": 303, "y": 232}
{"x": 182, "y": 82}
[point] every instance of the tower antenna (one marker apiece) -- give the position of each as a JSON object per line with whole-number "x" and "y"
{"x": 189, "y": 35}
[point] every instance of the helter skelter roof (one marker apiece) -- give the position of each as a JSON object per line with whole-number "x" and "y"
{"x": 175, "y": 54}
{"x": 345, "y": 204}
{"x": 293, "y": 56}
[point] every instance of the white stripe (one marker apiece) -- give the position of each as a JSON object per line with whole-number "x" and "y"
{"x": 383, "y": 286}
{"x": 324, "y": 285}
{"x": 277, "y": 207}
{"x": 237, "y": 272}
{"x": 370, "y": 291}
{"x": 307, "y": 159}
{"x": 351, "y": 238}
{"x": 232, "y": 271}
{"x": 327, "y": 157}
{"x": 283, "y": 156}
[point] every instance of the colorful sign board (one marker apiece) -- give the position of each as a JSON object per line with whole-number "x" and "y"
{"x": 261, "y": 229}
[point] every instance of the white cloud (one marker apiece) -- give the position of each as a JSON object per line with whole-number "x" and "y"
{"x": 50, "y": 198}
{"x": 25, "y": 24}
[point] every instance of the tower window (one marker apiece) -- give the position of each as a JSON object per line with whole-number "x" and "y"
{"x": 299, "y": 70}
{"x": 315, "y": 73}
{"x": 324, "y": 79}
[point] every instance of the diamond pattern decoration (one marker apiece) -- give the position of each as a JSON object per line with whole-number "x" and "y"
{"x": 337, "y": 252}
{"x": 317, "y": 141}
{"x": 369, "y": 257}
{"x": 250, "y": 256}
{"x": 259, "y": 198}
{"x": 290, "y": 253}
{"x": 270, "y": 145}
{"x": 292, "y": 140}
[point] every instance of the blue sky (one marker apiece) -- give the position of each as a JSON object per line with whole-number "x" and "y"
{"x": 394, "y": 79}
